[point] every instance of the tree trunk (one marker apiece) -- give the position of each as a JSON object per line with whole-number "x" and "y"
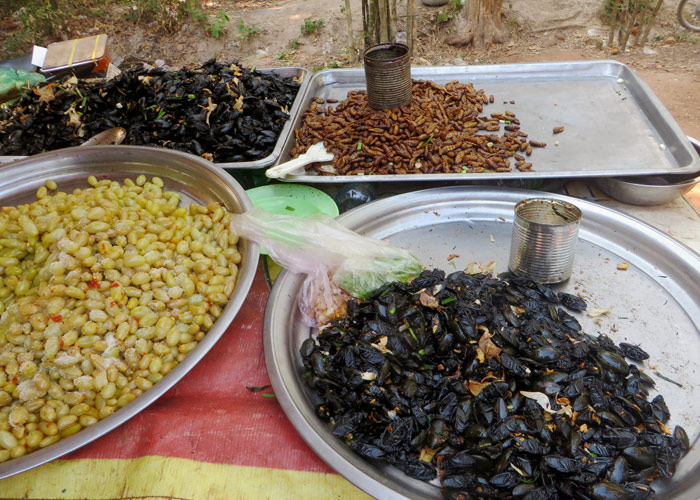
{"x": 480, "y": 23}
{"x": 383, "y": 6}
{"x": 614, "y": 22}
{"x": 650, "y": 23}
{"x": 411, "y": 25}
{"x": 351, "y": 37}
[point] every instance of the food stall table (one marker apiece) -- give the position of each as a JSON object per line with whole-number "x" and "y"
{"x": 221, "y": 434}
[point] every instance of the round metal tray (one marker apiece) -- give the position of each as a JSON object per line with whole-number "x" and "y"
{"x": 197, "y": 181}
{"x": 656, "y": 303}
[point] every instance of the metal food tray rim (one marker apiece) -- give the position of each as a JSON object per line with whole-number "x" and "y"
{"x": 281, "y": 325}
{"x": 23, "y": 183}
{"x": 500, "y": 72}
{"x": 267, "y": 161}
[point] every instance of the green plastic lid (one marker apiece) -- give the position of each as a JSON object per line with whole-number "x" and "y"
{"x": 299, "y": 197}
{"x": 292, "y": 199}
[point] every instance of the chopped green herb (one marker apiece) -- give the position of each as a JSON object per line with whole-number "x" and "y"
{"x": 258, "y": 389}
{"x": 161, "y": 114}
{"x": 392, "y": 310}
{"x": 422, "y": 352}
{"x": 269, "y": 395}
{"x": 289, "y": 209}
{"x": 413, "y": 334}
{"x": 668, "y": 379}
{"x": 190, "y": 97}
{"x": 448, "y": 300}
{"x": 428, "y": 140}
{"x": 359, "y": 146}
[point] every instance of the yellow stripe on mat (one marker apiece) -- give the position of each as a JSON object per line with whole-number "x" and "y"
{"x": 156, "y": 478}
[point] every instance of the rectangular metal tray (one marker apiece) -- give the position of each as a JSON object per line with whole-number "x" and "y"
{"x": 301, "y": 74}
{"x": 614, "y": 123}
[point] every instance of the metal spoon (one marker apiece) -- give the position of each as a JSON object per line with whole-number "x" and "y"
{"x": 316, "y": 153}
{"x": 114, "y": 135}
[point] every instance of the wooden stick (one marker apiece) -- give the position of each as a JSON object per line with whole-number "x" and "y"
{"x": 393, "y": 20}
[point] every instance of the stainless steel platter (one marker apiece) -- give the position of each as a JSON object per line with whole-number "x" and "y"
{"x": 197, "y": 181}
{"x": 303, "y": 76}
{"x": 614, "y": 123}
{"x": 656, "y": 303}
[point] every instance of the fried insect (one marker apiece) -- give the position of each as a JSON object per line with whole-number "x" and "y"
{"x": 493, "y": 388}
{"x": 222, "y": 112}
{"x": 443, "y": 130}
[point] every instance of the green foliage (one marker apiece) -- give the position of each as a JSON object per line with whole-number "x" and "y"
{"x": 41, "y": 21}
{"x": 329, "y": 65}
{"x": 167, "y": 15}
{"x": 293, "y": 44}
{"x": 246, "y": 32}
{"x": 681, "y": 36}
{"x": 448, "y": 13}
{"x": 284, "y": 57}
{"x": 217, "y": 26}
{"x": 45, "y": 21}
{"x": 311, "y": 26}
{"x": 443, "y": 16}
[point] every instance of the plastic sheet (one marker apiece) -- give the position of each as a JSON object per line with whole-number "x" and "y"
{"x": 338, "y": 262}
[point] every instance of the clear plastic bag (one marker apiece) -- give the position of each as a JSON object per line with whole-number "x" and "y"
{"x": 338, "y": 262}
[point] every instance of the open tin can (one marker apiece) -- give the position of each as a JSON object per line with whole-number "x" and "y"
{"x": 545, "y": 232}
{"x": 388, "y": 75}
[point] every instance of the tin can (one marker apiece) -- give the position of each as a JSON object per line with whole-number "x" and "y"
{"x": 388, "y": 75}
{"x": 545, "y": 232}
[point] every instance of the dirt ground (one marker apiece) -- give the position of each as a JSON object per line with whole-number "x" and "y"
{"x": 540, "y": 30}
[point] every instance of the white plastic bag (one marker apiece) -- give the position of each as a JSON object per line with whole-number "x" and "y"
{"x": 338, "y": 262}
